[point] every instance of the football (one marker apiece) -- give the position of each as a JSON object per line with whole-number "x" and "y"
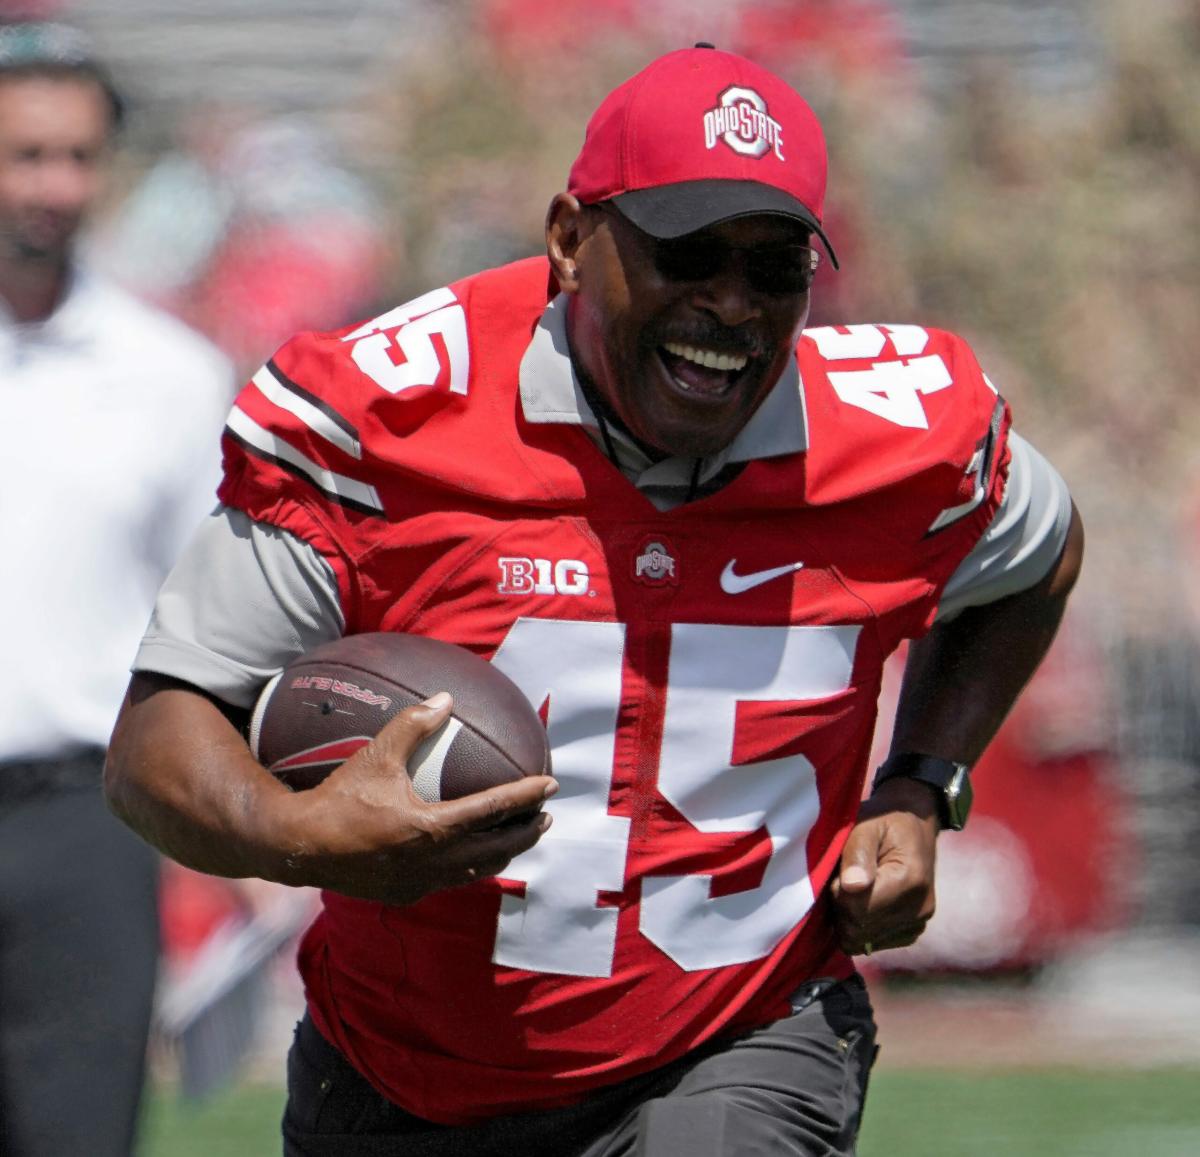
{"x": 328, "y": 703}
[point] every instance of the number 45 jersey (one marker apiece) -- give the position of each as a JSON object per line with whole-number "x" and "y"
{"x": 708, "y": 676}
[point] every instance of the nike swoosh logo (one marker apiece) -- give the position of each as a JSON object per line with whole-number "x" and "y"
{"x": 736, "y": 584}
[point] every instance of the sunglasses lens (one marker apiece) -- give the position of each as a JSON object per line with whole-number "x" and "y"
{"x": 779, "y": 271}
{"x": 785, "y": 270}
{"x": 691, "y": 259}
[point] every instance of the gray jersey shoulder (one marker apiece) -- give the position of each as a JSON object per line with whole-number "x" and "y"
{"x": 243, "y": 600}
{"x": 1024, "y": 540}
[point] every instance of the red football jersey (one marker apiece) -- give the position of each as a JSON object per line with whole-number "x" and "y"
{"x": 708, "y": 676}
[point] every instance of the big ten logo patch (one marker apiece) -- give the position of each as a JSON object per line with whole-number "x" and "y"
{"x": 543, "y": 576}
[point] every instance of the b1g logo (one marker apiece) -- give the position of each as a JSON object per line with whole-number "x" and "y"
{"x": 742, "y": 122}
{"x": 541, "y": 576}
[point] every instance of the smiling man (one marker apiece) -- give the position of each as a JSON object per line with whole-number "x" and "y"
{"x": 692, "y": 532}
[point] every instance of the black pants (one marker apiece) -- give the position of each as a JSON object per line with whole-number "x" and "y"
{"x": 794, "y": 1087}
{"x": 78, "y": 956}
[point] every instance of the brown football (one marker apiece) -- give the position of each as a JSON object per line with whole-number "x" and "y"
{"x": 328, "y": 703}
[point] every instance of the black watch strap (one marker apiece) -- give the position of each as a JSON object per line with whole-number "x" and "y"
{"x": 951, "y": 780}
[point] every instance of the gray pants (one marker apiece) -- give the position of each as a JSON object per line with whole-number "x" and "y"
{"x": 78, "y": 956}
{"x": 796, "y": 1087}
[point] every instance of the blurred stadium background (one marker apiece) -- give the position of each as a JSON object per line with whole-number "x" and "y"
{"x": 1023, "y": 172}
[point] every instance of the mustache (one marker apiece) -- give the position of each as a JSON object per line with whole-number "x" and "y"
{"x": 742, "y": 340}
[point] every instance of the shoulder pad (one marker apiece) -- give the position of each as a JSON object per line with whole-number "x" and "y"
{"x": 895, "y": 372}
{"x": 901, "y": 404}
{"x": 333, "y": 415}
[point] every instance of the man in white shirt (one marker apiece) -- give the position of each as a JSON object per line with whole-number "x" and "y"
{"x": 109, "y": 411}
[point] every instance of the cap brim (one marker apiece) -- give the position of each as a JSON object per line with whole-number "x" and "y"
{"x": 674, "y": 210}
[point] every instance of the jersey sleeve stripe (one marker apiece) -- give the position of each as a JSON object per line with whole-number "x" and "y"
{"x": 981, "y": 467}
{"x": 319, "y": 417}
{"x": 263, "y": 443}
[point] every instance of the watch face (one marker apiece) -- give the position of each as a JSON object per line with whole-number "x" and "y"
{"x": 959, "y": 795}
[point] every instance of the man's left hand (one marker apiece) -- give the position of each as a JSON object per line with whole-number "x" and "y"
{"x": 883, "y": 895}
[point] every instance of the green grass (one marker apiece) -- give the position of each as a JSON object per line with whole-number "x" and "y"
{"x": 241, "y": 1123}
{"x": 1034, "y": 1113}
{"x": 910, "y": 1113}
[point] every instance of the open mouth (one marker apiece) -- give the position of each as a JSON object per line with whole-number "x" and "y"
{"x": 702, "y": 371}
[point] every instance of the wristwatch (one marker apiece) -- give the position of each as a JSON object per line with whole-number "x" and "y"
{"x": 952, "y": 781}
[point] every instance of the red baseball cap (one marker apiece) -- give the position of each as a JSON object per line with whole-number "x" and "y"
{"x": 701, "y": 136}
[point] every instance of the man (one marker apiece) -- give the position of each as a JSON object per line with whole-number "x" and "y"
{"x": 109, "y": 411}
{"x": 746, "y": 521}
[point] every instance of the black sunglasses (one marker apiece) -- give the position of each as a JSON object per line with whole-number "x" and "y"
{"x": 776, "y": 270}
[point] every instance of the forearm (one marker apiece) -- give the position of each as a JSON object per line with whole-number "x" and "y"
{"x": 180, "y": 774}
{"x": 959, "y": 684}
{"x": 962, "y": 679}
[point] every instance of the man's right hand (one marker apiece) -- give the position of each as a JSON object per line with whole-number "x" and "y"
{"x": 365, "y": 832}
{"x": 180, "y": 774}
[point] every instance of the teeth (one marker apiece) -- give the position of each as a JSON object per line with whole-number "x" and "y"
{"x": 709, "y": 359}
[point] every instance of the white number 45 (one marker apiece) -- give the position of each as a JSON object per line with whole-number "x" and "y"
{"x": 890, "y": 389}
{"x": 415, "y": 325}
{"x": 557, "y": 923}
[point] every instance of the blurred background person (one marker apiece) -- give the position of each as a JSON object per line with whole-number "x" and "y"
{"x": 249, "y": 228}
{"x": 110, "y": 412}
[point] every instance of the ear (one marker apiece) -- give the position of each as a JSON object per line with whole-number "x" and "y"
{"x": 565, "y": 231}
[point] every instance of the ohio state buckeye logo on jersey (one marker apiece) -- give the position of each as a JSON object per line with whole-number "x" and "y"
{"x": 655, "y": 564}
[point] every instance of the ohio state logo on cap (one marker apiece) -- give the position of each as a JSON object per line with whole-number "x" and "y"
{"x": 741, "y": 120}
{"x": 701, "y": 136}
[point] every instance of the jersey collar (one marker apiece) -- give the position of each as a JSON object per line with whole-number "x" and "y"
{"x": 550, "y": 393}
